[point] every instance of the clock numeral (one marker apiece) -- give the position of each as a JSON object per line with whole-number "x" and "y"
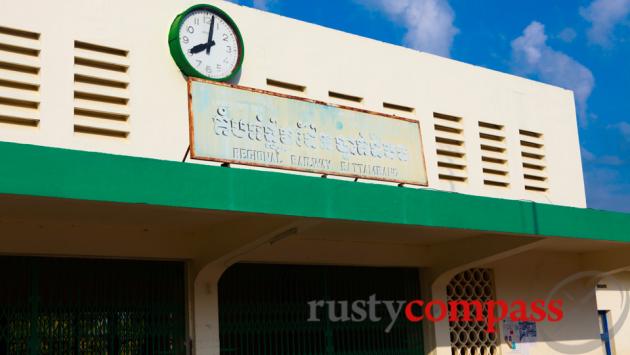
{"x": 225, "y": 60}
{"x": 219, "y": 66}
{"x": 208, "y": 69}
{"x": 207, "y": 20}
{"x": 190, "y": 29}
{"x": 185, "y": 39}
{"x": 198, "y": 62}
{"x": 225, "y": 37}
{"x": 196, "y": 20}
{"x": 228, "y": 49}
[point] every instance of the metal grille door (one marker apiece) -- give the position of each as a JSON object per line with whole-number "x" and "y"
{"x": 80, "y": 306}
{"x": 263, "y": 310}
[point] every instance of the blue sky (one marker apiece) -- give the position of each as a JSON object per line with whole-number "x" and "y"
{"x": 580, "y": 45}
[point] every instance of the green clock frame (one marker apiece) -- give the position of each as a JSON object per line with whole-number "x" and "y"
{"x": 178, "y": 53}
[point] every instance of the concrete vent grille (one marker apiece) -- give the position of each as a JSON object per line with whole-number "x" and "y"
{"x": 472, "y": 338}
{"x": 450, "y": 148}
{"x": 101, "y": 90}
{"x": 534, "y": 163}
{"x": 396, "y": 107}
{"x": 285, "y": 85}
{"x": 19, "y": 77}
{"x": 494, "y": 161}
{"x": 345, "y": 97}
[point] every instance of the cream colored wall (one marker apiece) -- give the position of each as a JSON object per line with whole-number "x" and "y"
{"x": 615, "y": 299}
{"x": 211, "y": 241}
{"x": 288, "y": 50}
{"x": 538, "y": 275}
{"x": 528, "y": 276}
{"x": 553, "y": 275}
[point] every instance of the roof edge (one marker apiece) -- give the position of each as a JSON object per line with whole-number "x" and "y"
{"x": 62, "y": 173}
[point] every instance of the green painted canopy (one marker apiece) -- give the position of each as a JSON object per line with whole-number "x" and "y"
{"x": 61, "y": 173}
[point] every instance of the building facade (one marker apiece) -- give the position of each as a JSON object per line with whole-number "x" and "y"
{"x": 115, "y": 239}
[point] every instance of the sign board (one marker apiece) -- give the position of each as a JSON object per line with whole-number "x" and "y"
{"x": 234, "y": 124}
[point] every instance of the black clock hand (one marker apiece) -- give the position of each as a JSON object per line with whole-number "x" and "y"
{"x": 198, "y": 48}
{"x": 210, "y": 41}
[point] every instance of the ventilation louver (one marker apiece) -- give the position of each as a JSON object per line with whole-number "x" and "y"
{"x": 19, "y": 77}
{"x": 494, "y": 161}
{"x": 450, "y": 148}
{"x": 534, "y": 165}
{"x": 101, "y": 90}
{"x": 285, "y": 85}
{"x": 472, "y": 338}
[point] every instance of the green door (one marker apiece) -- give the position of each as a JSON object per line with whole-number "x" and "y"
{"x": 263, "y": 310}
{"x": 82, "y": 306}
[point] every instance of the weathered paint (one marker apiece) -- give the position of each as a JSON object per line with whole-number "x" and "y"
{"x": 60, "y": 173}
{"x": 156, "y": 114}
{"x": 254, "y": 127}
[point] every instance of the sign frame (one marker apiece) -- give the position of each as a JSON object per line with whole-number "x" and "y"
{"x": 382, "y": 115}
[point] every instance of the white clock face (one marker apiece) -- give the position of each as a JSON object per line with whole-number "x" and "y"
{"x": 209, "y": 43}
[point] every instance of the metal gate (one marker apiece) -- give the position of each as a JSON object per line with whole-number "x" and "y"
{"x": 81, "y": 306}
{"x": 263, "y": 310}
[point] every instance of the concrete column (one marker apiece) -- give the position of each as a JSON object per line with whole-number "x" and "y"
{"x": 206, "y": 310}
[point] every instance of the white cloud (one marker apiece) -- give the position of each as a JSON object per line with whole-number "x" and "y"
{"x": 605, "y": 186}
{"x": 532, "y": 56}
{"x": 259, "y": 4}
{"x": 429, "y": 23}
{"x": 567, "y": 35}
{"x": 262, "y": 4}
{"x": 623, "y": 128}
{"x": 587, "y": 155}
{"x": 610, "y": 160}
{"x": 606, "y": 190}
{"x": 604, "y": 15}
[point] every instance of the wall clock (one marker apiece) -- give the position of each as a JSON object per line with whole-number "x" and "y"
{"x": 206, "y": 43}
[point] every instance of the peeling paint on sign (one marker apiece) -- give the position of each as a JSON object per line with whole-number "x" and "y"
{"x": 241, "y": 125}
